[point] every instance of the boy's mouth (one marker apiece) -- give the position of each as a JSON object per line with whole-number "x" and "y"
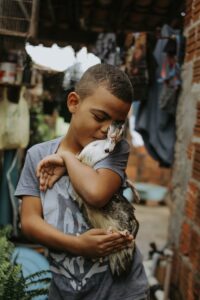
{"x": 100, "y": 138}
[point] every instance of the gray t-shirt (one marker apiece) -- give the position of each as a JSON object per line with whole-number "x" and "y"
{"x": 77, "y": 277}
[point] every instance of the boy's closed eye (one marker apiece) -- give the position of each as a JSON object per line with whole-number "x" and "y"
{"x": 99, "y": 118}
{"x": 99, "y": 115}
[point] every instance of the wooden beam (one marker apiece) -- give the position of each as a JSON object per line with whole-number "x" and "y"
{"x": 12, "y": 33}
{"x": 24, "y": 10}
{"x": 33, "y": 29}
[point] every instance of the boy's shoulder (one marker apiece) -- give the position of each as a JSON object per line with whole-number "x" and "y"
{"x": 122, "y": 146}
{"x": 45, "y": 148}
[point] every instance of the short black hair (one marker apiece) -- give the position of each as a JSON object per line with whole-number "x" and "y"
{"x": 108, "y": 76}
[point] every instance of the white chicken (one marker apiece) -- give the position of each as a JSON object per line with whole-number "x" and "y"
{"x": 118, "y": 213}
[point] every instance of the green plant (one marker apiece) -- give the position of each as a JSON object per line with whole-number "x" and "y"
{"x": 40, "y": 131}
{"x": 13, "y": 285}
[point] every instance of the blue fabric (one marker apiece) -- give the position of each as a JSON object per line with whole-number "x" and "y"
{"x": 12, "y": 176}
{"x": 5, "y": 204}
{"x": 32, "y": 262}
{"x": 156, "y": 126}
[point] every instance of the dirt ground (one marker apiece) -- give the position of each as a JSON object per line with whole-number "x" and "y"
{"x": 153, "y": 219}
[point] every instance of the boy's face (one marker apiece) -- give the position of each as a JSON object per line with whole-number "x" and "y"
{"x": 92, "y": 116}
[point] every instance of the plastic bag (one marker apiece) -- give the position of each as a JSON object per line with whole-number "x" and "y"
{"x": 14, "y": 122}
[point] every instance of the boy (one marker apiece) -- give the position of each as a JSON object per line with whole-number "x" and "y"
{"x": 49, "y": 216}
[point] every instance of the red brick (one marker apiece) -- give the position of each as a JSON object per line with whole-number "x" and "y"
{"x": 197, "y": 50}
{"x": 184, "y": 279}
{"x": 196, "y": 10}
{"x": 141, "y": 167}
{"x": 131, "y": 172}
{"x": 188, "y": 10}
{"x": 197, "y": 124}
{"x": 176, "y": 263}
{"x": 185, "y": 239}
{"x": 185, "y": 275}
{"x": 196, "y": 73}
{"x": 193, "y": 286}
{"x": 190, "y": 294}
{"x": 196, "y": 163}
{"x": 190, "y": 151}
{"x": 196, "y": 286}
{"x": 194, "y": 252}
{"x": 197, "y": 212}
{"x": 191, "y": 200}
{"x": 190, "y": 45}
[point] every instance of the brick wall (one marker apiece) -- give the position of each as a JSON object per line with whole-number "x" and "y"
{"x": 185, "y": 220}
{"x": 143, "y": 168}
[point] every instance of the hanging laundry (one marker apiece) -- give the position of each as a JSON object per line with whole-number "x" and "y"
{"x": 105, "y": 48}
{"x": 136, "y": 138}
{"x": 156, "y": 125}
{"x": 171, "y": 79}
{"x": 136, "y": 66}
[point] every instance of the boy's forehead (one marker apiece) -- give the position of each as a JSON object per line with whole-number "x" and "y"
{"x": 104, "y": 102}
{"x": 101, "y": 92}
{"x": 100, "y": 89}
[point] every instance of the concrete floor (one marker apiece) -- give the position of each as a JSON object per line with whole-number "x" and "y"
{"x": 153, "y": 219}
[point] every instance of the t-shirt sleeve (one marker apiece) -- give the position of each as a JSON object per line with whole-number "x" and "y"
{"x": 28, "y": 183}
{"x": 117, "y": 160}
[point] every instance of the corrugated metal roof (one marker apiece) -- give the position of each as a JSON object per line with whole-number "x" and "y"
{"x": 83, "y": 19}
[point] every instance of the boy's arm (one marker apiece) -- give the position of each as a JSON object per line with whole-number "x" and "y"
{"x": 96, "y": 187}
{"x": 93, "y": 243}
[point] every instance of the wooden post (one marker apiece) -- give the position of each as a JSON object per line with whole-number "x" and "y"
{"x": 33, "y": 29}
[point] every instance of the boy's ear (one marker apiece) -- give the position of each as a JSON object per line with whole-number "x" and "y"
{"x": 73, "y": 101}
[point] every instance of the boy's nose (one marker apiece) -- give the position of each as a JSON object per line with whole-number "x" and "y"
{"x": 104, "y": 129}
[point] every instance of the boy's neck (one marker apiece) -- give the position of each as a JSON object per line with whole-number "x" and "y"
{"x": 69, "y": 144}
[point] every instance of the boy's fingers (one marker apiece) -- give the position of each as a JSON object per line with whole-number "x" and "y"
{"x": 98, "y": 231}
{"x": 43, "y": 185}
{"x": 46, "y": 183}
{"x": 111, "y": 235}
{"x": 119, "y": 243}
{"x": 51, "y": 182}
{"x": 42, "y": 164}
{"x": 42, "y": 180}
{"x": 117, "y": 235}
{"x": 38, "y": 171}
{"x": 51, "y": 171}
{"x": 44, "y": 171}
{"x": 44, "y": 175}
{"x": 42, "y": 188}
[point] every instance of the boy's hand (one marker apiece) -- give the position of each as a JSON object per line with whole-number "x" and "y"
{"x": 99, "y": 243}
{"x": 49, "y": 170}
